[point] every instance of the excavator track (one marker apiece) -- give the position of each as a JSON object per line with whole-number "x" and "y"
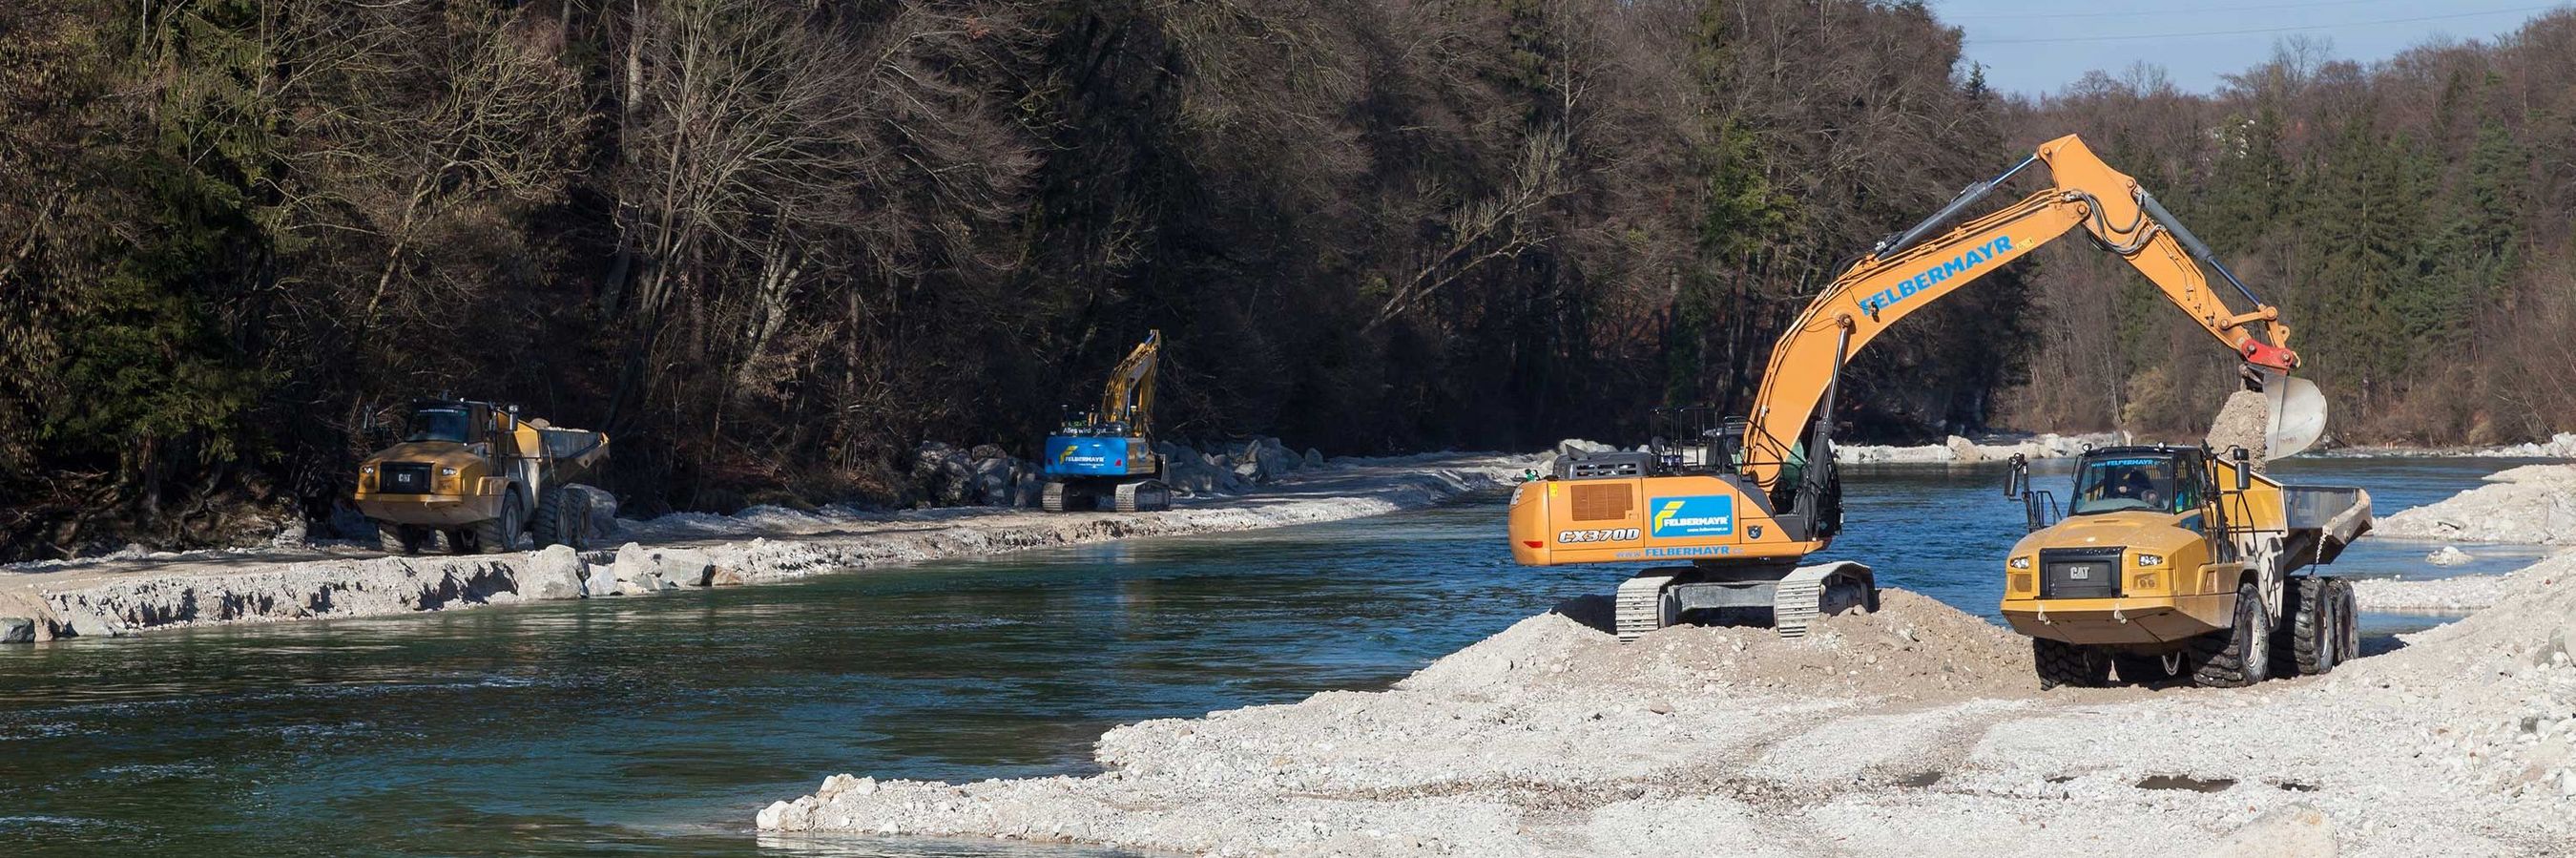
{"x": 1810, "y": 592}
{"x": 1143, "y": 496}
{"x": 1652, "y": 599}
{"x": 1058, "y": 497}
{"x": 1640, "y": 606}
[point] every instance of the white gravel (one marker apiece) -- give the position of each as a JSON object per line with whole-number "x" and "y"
{"x": 2534, "y": 504}
{"x": 1914, "y": 732}
{"x": 127, "y": 595}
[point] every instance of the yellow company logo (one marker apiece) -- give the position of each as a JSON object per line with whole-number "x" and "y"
{"x": 1063, "y": 454}
{"x": 1671, "y": 508}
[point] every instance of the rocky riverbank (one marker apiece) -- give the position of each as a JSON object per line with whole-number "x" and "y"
{"x": 132, "y": 594}
{"x": 1917, "y": 731}
{"x": 2532, "y": 504}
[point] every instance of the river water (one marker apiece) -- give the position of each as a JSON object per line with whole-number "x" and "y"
{"x": 658, "y": 726}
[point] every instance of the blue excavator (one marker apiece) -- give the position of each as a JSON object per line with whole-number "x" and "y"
{"x": 1105, "y": 459}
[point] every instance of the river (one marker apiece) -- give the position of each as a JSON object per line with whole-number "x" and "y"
{"x": 658, "y": 725}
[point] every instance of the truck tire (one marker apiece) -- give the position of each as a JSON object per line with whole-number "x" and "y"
{"x": 2073, "y": 665}
{"x": 2306, "y": 645}
{"x": 563, "y": 518}
{"x": 2347, "y": 626}
{"x": 2239, "y": 655}
{"x": 502, "y": 535}
{"x": 399, "y": 538}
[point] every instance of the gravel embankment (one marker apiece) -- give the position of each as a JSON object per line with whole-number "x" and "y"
{"x": 1917, "y": 731}
{"x": 130, "y": 595}
{"x": 2532, "y": 504}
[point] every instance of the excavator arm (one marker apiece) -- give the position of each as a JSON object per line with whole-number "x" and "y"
{"x": 1129, "y": 397}
{"x": 1911, "y": 270}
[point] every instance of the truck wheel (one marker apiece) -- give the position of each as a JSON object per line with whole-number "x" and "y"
{"x": 2347, "y": 620}
{"x": 563, "y": 516}
{"x": 502, "y": 535}
{"x": 2237, "y": 656}
{"x": 2074, "y": 665}
{"x": 2305, "y": 646}
{"x": 398, "y": 538}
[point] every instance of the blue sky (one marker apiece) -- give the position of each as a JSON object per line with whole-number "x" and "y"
{"x": 2033, "y": 47}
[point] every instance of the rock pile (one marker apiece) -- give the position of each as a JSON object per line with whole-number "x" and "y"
{"x": 2531, "y": 504}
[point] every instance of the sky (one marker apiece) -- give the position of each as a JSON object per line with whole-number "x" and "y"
{"x": 2032, "y": 47}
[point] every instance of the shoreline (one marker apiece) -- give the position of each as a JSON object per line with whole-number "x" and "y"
{"x": 127, "y": 596}
{"x": 1918, "y": 730}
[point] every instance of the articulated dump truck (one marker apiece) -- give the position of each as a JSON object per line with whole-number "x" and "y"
{"x": 483, "y": 480}
{"x": 2175, "y": 562}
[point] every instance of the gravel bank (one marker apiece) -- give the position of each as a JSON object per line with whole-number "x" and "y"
{"x": 2533, "y": 504}
{"x": 131, "y": 595}
{"x": 1916, "y": 731}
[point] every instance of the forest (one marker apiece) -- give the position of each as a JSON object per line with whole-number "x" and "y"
{"x": 772, "y": 247}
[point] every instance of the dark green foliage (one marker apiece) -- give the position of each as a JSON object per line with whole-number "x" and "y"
{"x": 772, "y": 247}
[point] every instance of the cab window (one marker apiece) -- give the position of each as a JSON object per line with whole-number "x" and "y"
{"x": 437, "y": 424}
{"x": 2124, "y": 483}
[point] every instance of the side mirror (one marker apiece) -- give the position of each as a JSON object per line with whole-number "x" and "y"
{"x": 2244, "y": 468}
{"x": 2017, "y": 477}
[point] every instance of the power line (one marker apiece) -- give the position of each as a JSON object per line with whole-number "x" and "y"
{"x": 2294, "y": 28}
{"x": 2155, "y": 12}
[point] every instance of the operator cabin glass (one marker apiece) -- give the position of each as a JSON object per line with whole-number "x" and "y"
{"x": 438, "y": 424}
{"x": 2123, "y": 483}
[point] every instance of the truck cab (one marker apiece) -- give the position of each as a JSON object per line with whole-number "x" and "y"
{"x": 2172, "y": 561}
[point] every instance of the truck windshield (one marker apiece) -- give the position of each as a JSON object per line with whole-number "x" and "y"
{"x": 2117, "y": 483}
{"x": 437, "y": 424}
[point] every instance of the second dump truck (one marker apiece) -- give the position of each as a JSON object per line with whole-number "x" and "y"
{"x": 475, "y": 476}
{"x": 2174, "y": 562}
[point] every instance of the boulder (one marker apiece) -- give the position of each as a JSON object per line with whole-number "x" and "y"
{"x": 942, "y": 473}
{"x": 553, "y": 573}
{"x": 662, "y": 568}
{"x": 598, "y": 580}
{"x": 17, "y": 630}
{"x": 1314, "y": 458}
{"x": 2448, "y": 555}
{"x": 991, "y": 480}
{"x": 725, "y": 577}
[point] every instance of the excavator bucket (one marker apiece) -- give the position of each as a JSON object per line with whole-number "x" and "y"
{"x": 2297, "y": 415}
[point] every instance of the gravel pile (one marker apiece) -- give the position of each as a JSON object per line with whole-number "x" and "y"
{"x": 2533, "y": 504}
{"x": 2240, "y": 423}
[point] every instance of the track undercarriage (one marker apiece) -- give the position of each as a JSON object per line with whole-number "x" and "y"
{"x": 1140, "y": 494}
{"x": 1787, "y": 598}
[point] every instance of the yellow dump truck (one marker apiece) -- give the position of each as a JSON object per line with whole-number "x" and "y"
{"x": 2175, "y": 562}
{"x": 482, "y": 479}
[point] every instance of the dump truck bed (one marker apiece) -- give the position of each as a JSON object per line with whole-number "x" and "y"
{"x": 2321, "y": 520}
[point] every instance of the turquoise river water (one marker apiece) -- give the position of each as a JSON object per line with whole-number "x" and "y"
{"x": 658, "y": 726}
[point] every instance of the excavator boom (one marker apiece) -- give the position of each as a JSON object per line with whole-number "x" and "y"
{"x": 1912, "y": 270}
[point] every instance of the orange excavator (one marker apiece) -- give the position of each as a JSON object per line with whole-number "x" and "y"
{"x": 1727, "y": 512}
